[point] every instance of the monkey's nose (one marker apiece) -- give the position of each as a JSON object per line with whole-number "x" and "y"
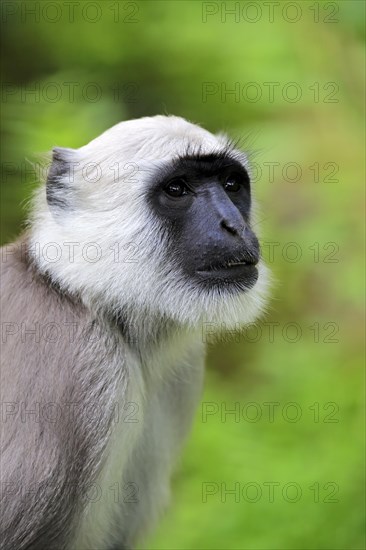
{"x": 235, "y": 228}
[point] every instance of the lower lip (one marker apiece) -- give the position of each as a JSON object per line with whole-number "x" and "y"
{"x": 235, "y": 273}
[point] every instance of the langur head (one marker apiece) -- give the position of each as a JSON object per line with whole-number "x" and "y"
{"x": 153, "y": 217}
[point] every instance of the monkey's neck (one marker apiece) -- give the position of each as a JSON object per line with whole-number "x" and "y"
{"x": 140, "y": 330}
{"x": 147, "y": 331}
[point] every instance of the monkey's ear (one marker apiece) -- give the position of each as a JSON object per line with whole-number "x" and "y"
{"x": 60, "y": 178}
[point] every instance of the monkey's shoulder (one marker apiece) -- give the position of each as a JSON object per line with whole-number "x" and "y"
{"x": 47, "y": 332}
{"x": 28, "y": 294}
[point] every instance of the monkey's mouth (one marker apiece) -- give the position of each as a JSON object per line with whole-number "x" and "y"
{"x": 232, "y": 271}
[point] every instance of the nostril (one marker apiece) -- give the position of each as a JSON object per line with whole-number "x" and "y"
{"x": 231, "y": 228}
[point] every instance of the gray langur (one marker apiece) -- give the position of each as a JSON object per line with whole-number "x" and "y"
{"x": 135, "y": 241}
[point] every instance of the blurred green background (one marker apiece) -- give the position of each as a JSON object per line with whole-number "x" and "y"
{"x": 289, "y": 79}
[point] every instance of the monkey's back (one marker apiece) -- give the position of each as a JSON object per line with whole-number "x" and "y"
{"x": 55, "y": 360}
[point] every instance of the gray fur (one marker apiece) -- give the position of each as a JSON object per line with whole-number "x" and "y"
{"x": 55, "y": 458}
{"x": 61, "y": 459}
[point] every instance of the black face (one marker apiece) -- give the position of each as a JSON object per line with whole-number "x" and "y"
{"x": 205, "y": 203}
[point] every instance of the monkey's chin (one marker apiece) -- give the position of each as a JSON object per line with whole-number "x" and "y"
{"x": 240, "y": 300}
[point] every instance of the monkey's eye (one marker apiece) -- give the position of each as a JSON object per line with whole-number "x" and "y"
{"x": 176, "y": 188}
{"x": 233, "y": 183}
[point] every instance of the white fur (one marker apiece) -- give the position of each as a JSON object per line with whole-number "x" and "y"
{"x": 113, "y": 213}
